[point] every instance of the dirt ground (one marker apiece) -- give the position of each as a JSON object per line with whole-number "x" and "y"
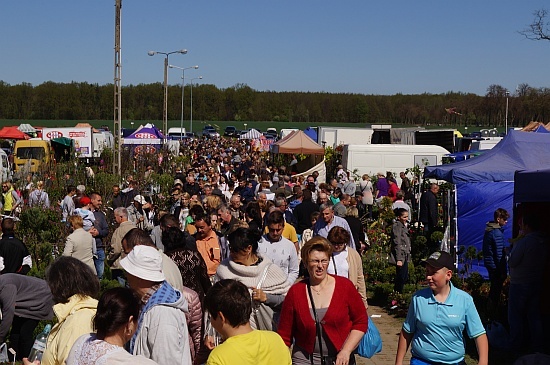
{"x": 389, "y": 328}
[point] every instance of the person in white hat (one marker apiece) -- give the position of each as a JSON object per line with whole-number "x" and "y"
{"x": 162, "y": 333}
{"x": 137, "y": 214}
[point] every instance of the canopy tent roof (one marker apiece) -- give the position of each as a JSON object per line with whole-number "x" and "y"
{"x": 26, "y": 128}
{"x": 536, "y": 127}
{"x": 517, "y": 151}
{"x": 64, "y": 141}
{"x": 145, "y": 134}
{"x": 86, "y": 125}
{"x": 12, "y": 133}
{"x": 251, "y": 134}
{"x": 297, "y": 142}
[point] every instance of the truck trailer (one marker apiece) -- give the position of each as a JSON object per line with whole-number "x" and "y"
{"x": 373, "y": 158}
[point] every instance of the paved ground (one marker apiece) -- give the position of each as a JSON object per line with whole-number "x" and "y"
{"x": 389, "y": 328}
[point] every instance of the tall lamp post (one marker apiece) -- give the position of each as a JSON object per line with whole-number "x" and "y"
{"x": 183, "y": 93}
{"x": 191, "y": 119}
{"x": 165, "y": 106}
{"x": 506, "y": 117}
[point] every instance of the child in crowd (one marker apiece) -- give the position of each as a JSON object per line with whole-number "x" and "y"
{"x": 437, "y": 318}
{"x": 307, "y": 234}
{"x": 86, "y": 214}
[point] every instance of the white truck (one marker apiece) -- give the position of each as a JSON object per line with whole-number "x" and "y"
{"x": 373, "y": 158}
{"x": 87, "y": 144}
{"x": 102, "y": 140}
{"x": 82, "y": 136}
{"x": 335, "y": 136}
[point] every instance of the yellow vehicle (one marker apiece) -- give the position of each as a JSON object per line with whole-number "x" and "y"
{"x": 31, "y": 154}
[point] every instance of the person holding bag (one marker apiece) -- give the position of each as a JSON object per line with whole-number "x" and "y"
{"x": 323, "y": 315}
{"x": 267, "y": 282}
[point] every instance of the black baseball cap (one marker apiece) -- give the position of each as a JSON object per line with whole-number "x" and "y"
{"x": 440, "y": 259}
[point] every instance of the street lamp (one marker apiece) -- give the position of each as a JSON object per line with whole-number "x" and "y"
{"x": 195, "y": 78}
{"x": 165, "y": 106}
{"x": 182, "y": 92}
{"x": 506, "y": 118}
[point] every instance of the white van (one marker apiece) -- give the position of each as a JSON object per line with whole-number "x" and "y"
{"x": 176, "y": 133}
{"x": 103, "y": 140}
{"x": 5, "y": 168}
{"x": 373, "y": 158}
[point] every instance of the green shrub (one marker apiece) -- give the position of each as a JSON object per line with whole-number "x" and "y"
{"x": 44, "y": 235}
{"x": 419, "y": 248}
{"x": 436, "y": 236}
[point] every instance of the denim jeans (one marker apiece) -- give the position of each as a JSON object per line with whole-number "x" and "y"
{"x": 401, "y": 275}
{"x": 99, "y": 263}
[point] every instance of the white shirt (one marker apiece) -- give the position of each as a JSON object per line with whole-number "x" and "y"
{"x": 341, "y": 261}
{"x": 281, "y": 253}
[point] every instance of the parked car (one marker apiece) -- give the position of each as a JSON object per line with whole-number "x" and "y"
{"x": 271, "y": 133}
{"x": 230, "y": 131}
{"x": 210, "y": 132}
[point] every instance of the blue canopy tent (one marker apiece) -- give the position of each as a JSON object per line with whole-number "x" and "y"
{"x": 485, "y": 183}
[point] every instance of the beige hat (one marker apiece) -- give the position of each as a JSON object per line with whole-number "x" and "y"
{"x": 140, "y": 199}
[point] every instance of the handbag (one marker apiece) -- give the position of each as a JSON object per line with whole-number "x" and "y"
{"x": 4, "y": 353}
{"x": 391, "y": 259}
{"x": 263, "y": 314}
{"x": 371, "y": 342}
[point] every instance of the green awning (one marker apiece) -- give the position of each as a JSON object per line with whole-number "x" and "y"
{"x": 64, "y": 141}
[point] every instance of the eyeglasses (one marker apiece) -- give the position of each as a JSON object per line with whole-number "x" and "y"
{"x": 338, "y": 244}
{"x": 317, "y": 262}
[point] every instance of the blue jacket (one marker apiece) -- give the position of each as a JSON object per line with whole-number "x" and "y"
{"x": 493, "y": 246}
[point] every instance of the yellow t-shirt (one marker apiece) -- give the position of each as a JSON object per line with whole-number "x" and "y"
{"x": 289, "y": 232}
{"x": 254, "y": 348}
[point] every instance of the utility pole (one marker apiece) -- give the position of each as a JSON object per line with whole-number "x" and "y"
{"x": 117, "y": 130}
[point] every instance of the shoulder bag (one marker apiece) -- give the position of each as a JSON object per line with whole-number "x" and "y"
{"x": 263, "y": 314}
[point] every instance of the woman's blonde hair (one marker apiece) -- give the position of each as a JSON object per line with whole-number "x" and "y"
{"x": 212, "y": 202}
{"x": 317, "y": 243}
{"x": 76, "y": 221}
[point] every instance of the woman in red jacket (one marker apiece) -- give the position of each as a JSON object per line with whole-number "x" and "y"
{"x": 339, "y": 309}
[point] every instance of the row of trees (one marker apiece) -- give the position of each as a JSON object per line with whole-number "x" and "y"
{"x": 85, "y": 101}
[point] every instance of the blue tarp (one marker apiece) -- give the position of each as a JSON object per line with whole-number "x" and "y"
{"x": 464, "y": 155}
{"x": 311, "y": 133}
{"x": 476, "y": 203}
{"x": 486, "y": 183}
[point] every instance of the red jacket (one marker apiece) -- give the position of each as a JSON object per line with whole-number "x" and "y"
{"x": 346, "y": 312}
{"x": 392, "y": 191}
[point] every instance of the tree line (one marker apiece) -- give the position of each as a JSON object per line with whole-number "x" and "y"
{"x": 87, "y": 101}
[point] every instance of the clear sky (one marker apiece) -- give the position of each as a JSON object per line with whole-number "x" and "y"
{"x": 355, "y": 46}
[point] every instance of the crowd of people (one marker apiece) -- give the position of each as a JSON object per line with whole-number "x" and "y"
{"x": 247, "y": 260}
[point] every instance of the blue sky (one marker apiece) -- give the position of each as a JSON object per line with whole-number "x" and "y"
{"x": 369, "y": 47}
